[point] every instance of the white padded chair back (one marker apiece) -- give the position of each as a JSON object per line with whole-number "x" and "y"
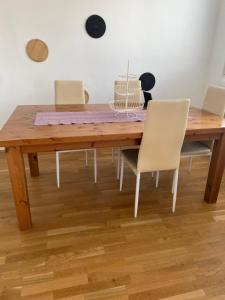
{"x": 69, "y": 92}
{"x": 163, "y": 136}
{"x": 215, "y": 100}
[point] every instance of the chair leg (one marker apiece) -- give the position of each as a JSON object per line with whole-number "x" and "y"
{"x": 190, "y": 163}
{"x": 175, "y": 184}
{"x": 157, "y": 179}
{"x": 86, "y": 157}
{"x": 121, "y": 172}
{"x": 137, "y": 194}
{"x": 57, "y": 170}
{"x": 118, "y": 164}
{"x": 210, "y": 158}
{"x": 112, "y": 155}
{"x": 95, "y": 166}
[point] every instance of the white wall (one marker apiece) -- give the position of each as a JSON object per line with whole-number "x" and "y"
{"x": 218, "y": 58}
{"x": 171, "y": 38}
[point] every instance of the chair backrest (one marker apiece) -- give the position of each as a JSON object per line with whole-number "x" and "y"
{"x": 163, "y": 136}
{"x": 215, "y": 100}
{"x": 69, "y": 92}
{"x": 134, "y": 90}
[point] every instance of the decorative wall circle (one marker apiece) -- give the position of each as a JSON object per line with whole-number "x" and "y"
{"x": 37, "y": 50}
{"x": 147, "y": 84}
{"x": 147, "y": 81}
{"x": 95, "y": 26}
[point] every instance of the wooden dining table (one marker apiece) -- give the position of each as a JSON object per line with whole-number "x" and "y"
{"x": 20, "y": 136}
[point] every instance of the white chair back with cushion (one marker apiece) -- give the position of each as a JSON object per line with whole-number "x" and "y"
{"x": 69, "y": 92}
{"x": 163, "y": 136}
{"x": 215, "y": 100}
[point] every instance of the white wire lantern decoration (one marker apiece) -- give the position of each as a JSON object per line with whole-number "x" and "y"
{"x": 128, "y": 95}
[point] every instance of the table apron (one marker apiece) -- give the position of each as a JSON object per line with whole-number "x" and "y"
{"x": 83, "y": 145}
{"x": 193, "y": 136}
{"x": 108, "y": 144}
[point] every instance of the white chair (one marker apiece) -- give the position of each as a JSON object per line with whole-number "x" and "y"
{"x": 214, "y": 103}
{"x": 161, "y": 144}
{"x": 134, "y": 85}
{"x": 72, "y": 92}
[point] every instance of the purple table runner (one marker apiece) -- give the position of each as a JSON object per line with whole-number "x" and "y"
{"x": 87, "y": 117}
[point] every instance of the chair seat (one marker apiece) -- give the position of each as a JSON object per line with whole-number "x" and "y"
{"x": 131, "y": 156}
{"x": 195, "y": 149}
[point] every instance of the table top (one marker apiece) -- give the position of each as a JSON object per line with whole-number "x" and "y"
{"x": 20, "y": 130}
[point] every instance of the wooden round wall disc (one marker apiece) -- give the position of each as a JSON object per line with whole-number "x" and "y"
{"x": 37, "y": 50}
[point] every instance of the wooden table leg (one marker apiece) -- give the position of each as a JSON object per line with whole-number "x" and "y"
{"x": 33, "y": 163}
{"x": 19, "y": 186}
{"x": 216, "y": 170}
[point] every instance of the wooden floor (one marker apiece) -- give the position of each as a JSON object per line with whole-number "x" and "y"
{"x": 85, "y": 245}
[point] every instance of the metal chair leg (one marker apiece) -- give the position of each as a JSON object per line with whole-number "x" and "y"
{"x": 95, "y": 165}
{"x": 57, "y": 170}
{"x": 157, "y": 179}
{"x": 176, "y": 173}
{"x": 121, "y": 172}
{"x": 118, "y": 164}
{"x": 137, "y": 194}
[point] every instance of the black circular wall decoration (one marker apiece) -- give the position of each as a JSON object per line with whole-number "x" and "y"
{"x": 147, "y": 81}
{"x": 147, "y": 84}
{"x": 95, "y": 26}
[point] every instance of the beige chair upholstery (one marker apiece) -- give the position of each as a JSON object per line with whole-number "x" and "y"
{"x": 161, "y": 144}
{"x": 214, "y": 103}
{"x": 134, "y": 88}
{"x": 69, "y": 92}
{"x": 215, "y": 100}
{"x": 198, "y": 148}
{"x": 163, "y": 135}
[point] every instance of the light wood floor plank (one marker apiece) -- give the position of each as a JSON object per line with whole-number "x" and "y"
{"x": 85, "y": 244}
